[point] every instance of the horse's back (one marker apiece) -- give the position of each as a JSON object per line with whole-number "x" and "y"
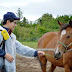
{"x": 48, "y": 40}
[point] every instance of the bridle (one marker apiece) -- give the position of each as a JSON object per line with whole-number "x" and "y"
{"x": 66, "y": 46}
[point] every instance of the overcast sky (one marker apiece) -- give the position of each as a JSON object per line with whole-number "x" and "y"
{"x": 34, "y": 9}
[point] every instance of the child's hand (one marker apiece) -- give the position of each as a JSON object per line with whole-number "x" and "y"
{"x": 41, "y": 53}
{"x": 9, "y": 57}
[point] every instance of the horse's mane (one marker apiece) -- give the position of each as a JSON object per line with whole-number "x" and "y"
{"x": 64, "y": 26}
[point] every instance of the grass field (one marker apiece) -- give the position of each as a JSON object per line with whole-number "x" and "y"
{"x": 30, "y": 44}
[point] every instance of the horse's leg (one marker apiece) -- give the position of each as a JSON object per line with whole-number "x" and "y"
{"x": 43, "y": 61}
{"x": 52, "y": 68}
{"x": 67, "y": 69}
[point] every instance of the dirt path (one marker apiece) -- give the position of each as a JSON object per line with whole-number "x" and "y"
{"x": 31, "y": 65}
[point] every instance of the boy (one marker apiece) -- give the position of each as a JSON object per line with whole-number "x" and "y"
{"x": 9, "y": 45}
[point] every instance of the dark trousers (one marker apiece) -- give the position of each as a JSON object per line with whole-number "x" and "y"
{"x": 3, "y": 69}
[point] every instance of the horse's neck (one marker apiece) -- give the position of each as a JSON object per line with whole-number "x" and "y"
{"x": 50, "y": 40}
{"x": 52, "y": 43}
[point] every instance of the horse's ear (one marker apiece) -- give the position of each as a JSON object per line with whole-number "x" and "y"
{"x": 59, "y": 22}
{"x": 70, "y": 23}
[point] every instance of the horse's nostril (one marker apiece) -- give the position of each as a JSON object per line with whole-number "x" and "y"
{"x": 54, "y": 54}
{"x": 64, "y": 52}
{"x": 59, "y": 53}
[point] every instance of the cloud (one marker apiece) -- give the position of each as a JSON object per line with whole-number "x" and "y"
{"x": 33, "y": 9}
{"x": 13, "y": 4}
{"x": 31, "y": 18}
{"x": 40, "y": 1}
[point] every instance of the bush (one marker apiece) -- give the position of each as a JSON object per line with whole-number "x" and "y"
{"x": 42, "y": 29}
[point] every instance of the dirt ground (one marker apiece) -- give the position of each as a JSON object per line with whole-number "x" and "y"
{"x": 31, "y": 65}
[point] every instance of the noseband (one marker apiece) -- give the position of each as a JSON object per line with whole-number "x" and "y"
{"x": 66, "y": 46}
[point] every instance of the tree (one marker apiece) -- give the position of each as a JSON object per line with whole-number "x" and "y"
{"x": 40, "y": 21}
{"x": 45, "y": 20}
{"x": 19, "y": 13}
{"x": 64, "y": 18}
{"x": 70, "y": 17}
{"x": 24, "y": 22}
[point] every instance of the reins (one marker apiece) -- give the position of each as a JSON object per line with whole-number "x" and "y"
{"x": 66, "y": 46}
{"x": 48, "y": 55}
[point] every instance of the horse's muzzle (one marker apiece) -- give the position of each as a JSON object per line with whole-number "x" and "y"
{"x": 57, "y": 55}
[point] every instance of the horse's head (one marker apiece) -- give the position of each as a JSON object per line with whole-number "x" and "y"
{"x": 65, "y": 39}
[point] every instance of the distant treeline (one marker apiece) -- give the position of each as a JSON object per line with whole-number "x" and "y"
{"x": 32, "y": 31}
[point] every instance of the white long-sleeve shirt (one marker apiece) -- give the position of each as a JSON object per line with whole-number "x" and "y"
{"x": 12, "y": 46}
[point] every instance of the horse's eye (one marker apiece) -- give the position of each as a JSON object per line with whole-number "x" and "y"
{"x": 68, "y": 37}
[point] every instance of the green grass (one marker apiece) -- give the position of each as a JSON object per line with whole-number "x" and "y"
{"x": 30, "y": 44}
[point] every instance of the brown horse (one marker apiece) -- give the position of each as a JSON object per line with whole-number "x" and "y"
{"x": 62, "y": 42}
